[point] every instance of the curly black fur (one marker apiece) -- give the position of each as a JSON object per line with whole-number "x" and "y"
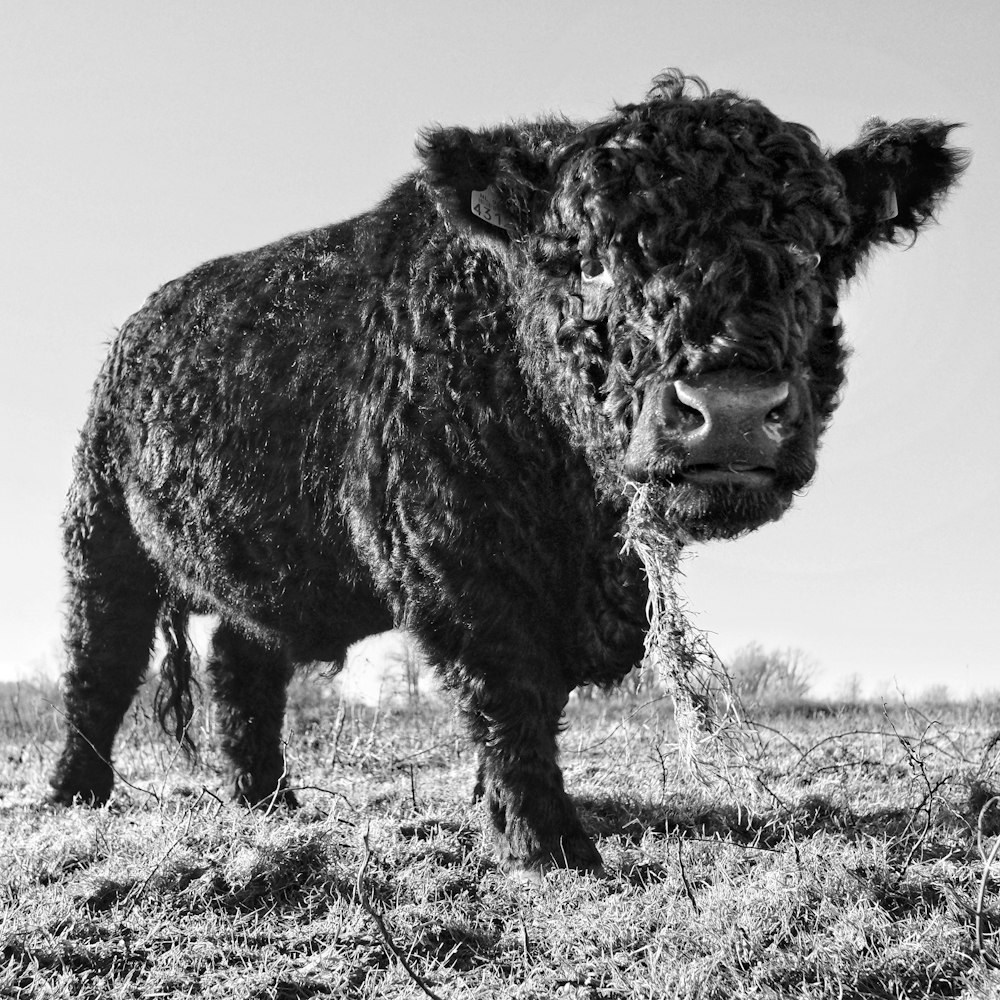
{"x": 425, "y": 417}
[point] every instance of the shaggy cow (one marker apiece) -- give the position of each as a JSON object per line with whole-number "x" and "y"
{"x": 433, "y": 416}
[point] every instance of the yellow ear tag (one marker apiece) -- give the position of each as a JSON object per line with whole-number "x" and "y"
{"x": 488, "y": 206}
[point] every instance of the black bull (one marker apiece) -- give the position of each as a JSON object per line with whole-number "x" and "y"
{"x": 432, "y": 416}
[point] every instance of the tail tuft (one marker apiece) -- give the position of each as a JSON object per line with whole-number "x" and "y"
{"x": 173, "y": 702}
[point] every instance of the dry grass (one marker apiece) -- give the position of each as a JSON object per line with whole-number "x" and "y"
{"x": 857, "y": 877}
{"x": 713, "y": 736}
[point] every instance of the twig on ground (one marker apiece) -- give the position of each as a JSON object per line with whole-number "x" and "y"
{"x": 140, "y": 887}
{"x": 390, "y": 946}
{"x": 205, "y": 790}
{"x": 114, "y": 770}
{"x": 413, "y": 791}
{"x": 987, "y": 955}
{"x": 777, "y": 732}
{"x": 919, "y": 767}
{"x": 619, "y": 725}
{"x": 332, "y": 793}
{"x": 525, "y": 944}
{"x": 684, "y": 878}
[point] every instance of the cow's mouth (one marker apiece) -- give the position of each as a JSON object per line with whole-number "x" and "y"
{"x": 732, "y": 474}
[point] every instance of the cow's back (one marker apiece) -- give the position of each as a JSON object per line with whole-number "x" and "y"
{"x": 221, "y": 415}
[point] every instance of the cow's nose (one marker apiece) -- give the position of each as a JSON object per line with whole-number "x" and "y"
{"x": 724, "y": 426}
{"x": 719, "y": 419}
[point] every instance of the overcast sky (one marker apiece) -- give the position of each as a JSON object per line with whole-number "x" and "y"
{"x": 139, "y": 139}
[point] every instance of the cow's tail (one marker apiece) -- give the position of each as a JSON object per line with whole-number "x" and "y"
{"x": 173, "y": 702}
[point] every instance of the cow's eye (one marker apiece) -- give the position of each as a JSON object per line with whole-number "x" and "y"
{"x": 592, "y": 269}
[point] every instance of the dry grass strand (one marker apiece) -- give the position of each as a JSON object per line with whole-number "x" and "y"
{"x": 717, "y": 741}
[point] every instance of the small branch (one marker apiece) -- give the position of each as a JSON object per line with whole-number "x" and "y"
{"x": 919, "y": 767}
{"x": 525, "y": 945}
{"x": 390, "y": 946}
{"x": 114, "y": 770}
{"x": 684, "y": 878}
{"x": 987, "y": 955}
{"x": 928, "y": 799}
{"x": 413, "y": 791}
{"x": 139, "y": 888}
{"x": 637, "y": 710}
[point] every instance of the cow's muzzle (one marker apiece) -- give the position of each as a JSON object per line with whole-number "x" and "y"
{"x": 724, "y": 427}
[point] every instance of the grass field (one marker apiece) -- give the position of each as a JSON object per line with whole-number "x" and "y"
{"x": 853, "y": 872}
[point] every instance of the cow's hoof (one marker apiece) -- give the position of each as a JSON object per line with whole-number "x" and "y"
{"x": 76, "y": 785}
{"x": 533, "y": 875}
{"x": 576, "y": 853}
{"x": 63, "y": 798}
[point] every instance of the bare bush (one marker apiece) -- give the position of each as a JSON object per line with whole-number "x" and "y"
{"x": 762, "y": 676}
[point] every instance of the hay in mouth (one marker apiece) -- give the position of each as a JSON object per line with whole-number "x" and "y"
{"x": 716, "y": 740}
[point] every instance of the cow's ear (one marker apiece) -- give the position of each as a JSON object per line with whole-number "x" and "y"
{"x": 896, "y": 177}
{"x": 483, "y": 183}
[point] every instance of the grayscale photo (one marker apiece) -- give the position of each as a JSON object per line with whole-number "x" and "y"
{"x": 500, "y": 500}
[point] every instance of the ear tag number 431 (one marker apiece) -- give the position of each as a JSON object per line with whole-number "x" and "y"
{"x": 487, "y": 206}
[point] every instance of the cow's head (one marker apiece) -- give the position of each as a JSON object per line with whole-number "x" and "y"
{"x": 676, "y": 269}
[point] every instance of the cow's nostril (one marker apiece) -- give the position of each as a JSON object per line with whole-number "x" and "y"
{"x": 784, "y": 411}
{"x": 689, "y": 398}
{"x": 689, "y": 416}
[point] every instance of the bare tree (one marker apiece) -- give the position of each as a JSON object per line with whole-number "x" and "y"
{"x": 761, "y": 675}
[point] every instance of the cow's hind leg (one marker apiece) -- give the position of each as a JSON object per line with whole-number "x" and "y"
{"x": 110, "y": 623}
{"x": 249, "y": 678}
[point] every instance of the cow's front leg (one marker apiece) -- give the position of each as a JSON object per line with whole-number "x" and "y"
{"x": 514, "y": 724}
